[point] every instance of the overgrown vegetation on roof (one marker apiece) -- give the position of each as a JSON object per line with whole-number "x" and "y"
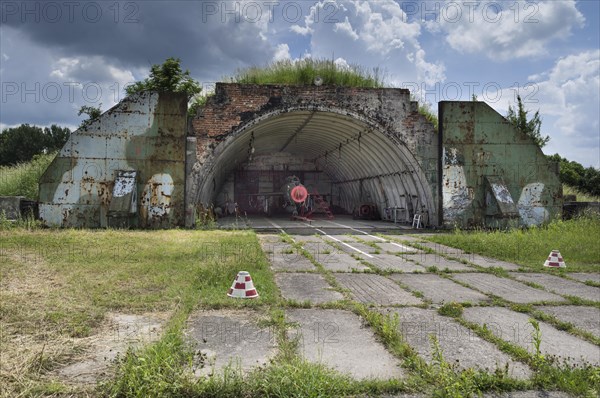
{"x": 167, "y": 77}
{"x": 305, "y": 71}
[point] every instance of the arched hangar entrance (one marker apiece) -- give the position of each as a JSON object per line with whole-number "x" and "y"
{"x": 346, "y": 157}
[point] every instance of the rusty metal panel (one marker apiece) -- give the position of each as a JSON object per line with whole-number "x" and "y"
{"x": 478, "y": 143}
{"x": 144, "y": 132}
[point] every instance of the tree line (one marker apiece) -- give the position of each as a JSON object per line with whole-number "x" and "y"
{"x": 20, "y": 144}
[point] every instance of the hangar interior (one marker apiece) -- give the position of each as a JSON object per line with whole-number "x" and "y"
{"x": 338, "y": 158}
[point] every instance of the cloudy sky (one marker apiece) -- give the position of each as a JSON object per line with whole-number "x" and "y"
{"x": 56, "y": 56}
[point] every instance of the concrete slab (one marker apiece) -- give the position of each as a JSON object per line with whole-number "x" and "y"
{"x": 339, "y": 340}
{"x": 306, "y": 238}
{"x": 285, "y": 257}
{"x": 584, "y": 318}
{"x": 402, "y": 238}
{"x": 515, "y": 327}
{"x": 442, "y": 249}
{"x": 390, "y": 262}
{"x": 371, "y": 238}
{"x": 394, "y": 247}
{"x": 306, "y": 287}
{"x": 438, "y": 289}
{"x": 435, "y": 260}
{"x": 340, "y": 225}
{"x": 338, "y": 261}
{"x": 320, "y": 251}
{"x": 486, "y": 262}
{"x": 506, "y": 288}
{"x": 376, "y": 289}
{"x": 227, "y": 337}
{"x": 118, "y": 333}
{"x": 560, "y": 285}
{"x": 460, "y": 345}
{"x": 365, "y": 248}
{"x": 337, "y": 238}
{"x": 352, "y": 247}
{"x": 584, "y": 277}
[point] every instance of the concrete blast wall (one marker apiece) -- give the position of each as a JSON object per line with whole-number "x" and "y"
{"x": 144, "y": 133}
{"x": 135, "y": 165}
{"x": 492, "y": 174}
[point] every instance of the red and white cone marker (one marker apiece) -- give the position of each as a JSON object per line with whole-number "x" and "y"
{"x": 242, "y": 286}
{"x": 555, "y": 260}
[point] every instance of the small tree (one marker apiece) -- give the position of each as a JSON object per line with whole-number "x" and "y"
{"x": 93, "y": 113}
{"x": 167, "y": 77}
{"x": 531, "y": 127}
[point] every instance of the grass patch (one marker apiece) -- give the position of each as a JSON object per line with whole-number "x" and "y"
{"x": 58, "y": 286}
{"x": 549, "y": 372}
{"x": 581, "y": 197}
{"x": 438, "y": 378}
{"x": 451, "y": 309}
{"x": 576, "y": 239}
{"x": 592, "y": 283}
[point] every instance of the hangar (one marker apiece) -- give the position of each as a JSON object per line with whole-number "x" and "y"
{"x": 364, "y": 151}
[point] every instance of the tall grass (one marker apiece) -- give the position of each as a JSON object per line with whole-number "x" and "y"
{"x": 577, "y": 240}
{"x": 304, "y": 72}
{"x": 581, "y": 197}
{"x": 22, "y": 179}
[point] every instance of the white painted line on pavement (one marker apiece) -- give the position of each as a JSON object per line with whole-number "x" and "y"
{"x": 344, "y": 243}
{"x": 275, "y": 225}
{"x": 374, "y": 236}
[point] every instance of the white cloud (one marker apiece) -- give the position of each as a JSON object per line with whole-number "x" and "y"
{"x": 427, "y": 72}
{"x": 104, "y": 81}
{"x": 520, "y": 29}
{"x": 301, "y": 30}
{"x": 346, "y": 27}
{"x": 567, "y": 98}
{"x": 342, "y": 63}
{"x": 370, "y": 34}
{"x": 282, "y": 53}
{"x": 570, "y": 96}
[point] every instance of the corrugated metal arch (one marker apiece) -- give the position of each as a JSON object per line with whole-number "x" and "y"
{"x": 347, "y": 146}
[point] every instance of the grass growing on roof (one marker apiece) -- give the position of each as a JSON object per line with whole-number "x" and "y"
{"x": 304, "y": 72}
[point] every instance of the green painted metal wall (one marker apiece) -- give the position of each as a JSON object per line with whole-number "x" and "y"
{"x": 145, "y": 132}
{"x": 482, "y": 158}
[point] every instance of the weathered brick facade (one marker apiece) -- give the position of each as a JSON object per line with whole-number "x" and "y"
{"x": 236, "y": 109}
